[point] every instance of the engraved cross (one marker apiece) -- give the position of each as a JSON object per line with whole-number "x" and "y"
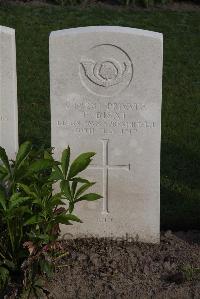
{"x": 105, "y": 167}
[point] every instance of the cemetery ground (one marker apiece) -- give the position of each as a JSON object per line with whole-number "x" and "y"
{"x": 180, "y": 154}
{"x": 94, "y": 268}
{"x": 101, "y": 268}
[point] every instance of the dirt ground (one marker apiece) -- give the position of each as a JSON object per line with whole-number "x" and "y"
{"x": 102, "y": 268}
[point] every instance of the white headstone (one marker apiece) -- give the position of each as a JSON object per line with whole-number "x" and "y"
{"x": 106, "y": 92}
{"x": 8, "y": 92}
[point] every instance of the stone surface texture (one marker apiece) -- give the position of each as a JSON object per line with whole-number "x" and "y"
{"x": 8, "y": 92}
{"x": 106, "y": 93}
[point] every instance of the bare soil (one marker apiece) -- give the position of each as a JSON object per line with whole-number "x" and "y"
{"x": 104, "y": 268}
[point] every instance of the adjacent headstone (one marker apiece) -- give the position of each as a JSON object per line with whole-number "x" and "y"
{"x": 106, "y": 92}
{"x": 8, "y": 92}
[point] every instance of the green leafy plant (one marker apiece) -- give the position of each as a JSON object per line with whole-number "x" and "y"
{"x": 31, "y": 213}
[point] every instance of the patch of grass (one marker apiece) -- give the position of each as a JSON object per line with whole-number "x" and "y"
{"x": 180, "y": 156}
{"x": 190, "y": 273}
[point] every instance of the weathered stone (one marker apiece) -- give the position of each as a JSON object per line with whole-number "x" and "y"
{"x": 106, "y": 91}
{"x": 8, "y": 92}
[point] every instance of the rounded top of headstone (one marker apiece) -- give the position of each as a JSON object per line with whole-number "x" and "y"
{"x": 7, "y": 30}
{"x": 117, "y": 29}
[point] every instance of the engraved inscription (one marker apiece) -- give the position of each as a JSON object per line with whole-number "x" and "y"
{"x": 106, "y": 69}
{"x": 105, "y": 73}
{"x": 107, "y": 127}
{"x": 85, "y": 104}
{"x": 3, "y": 118}
{"x": 109, "y": 118}
{"x": 105, "y": 167}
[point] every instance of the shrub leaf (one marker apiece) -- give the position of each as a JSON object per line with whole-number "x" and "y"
{"x": 4, "y": 159}
{"x": 65, "y": 161}
{"x": 80, "y": 163}
{"x": 89, "y": 197}
{"x": 65, "y": 218}
{"x": 40, "y": 165}
{"x": 65, "y": 188}
{"x": 23, "y": 152}
{"x": 2, "y": 198}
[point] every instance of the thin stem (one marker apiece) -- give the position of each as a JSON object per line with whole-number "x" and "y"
{"x": 2, "y": 256}
{"x": 61, "y": 256}
{"x": 11, "y": 237}
{"x": 62, "y": 266}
